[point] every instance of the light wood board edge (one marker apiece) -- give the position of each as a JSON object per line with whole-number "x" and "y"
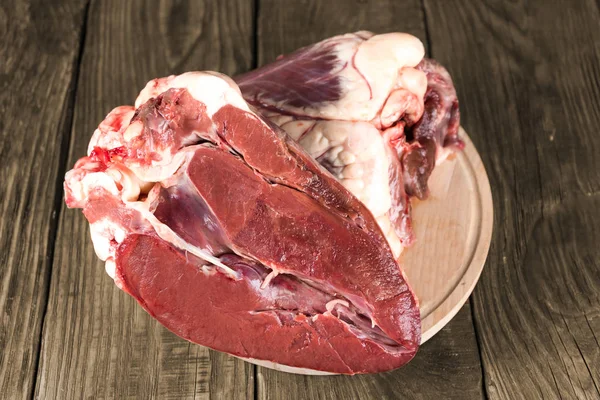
{"x": 441, "y": 315}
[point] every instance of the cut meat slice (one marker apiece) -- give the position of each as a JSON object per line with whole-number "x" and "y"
{"x": 288, "y": 323}
{"x": 233, "y": 237}
{"x": 341, "y": 93}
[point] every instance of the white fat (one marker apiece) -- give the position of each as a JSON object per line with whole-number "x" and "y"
{"x": 381, "y": 60}
{"x": 353, "y": 171}
{"x": 346, "y": 158}
{"x": 213, "y": 89}
{"x": 131, "y": 185}
{"x": 81, "y": 188}
{"x": 413, "y": 80}
{"x": 315, "y": 142}
{"x": 111, "y": 267}
{"x": 134, "y": 130}
{"x": 279, "y": 119}
{"x": 295, "y": 129}
{"x": 103, "y": 232}
{"x": 269, "y": 278}
{"x": 394, "y": 243}
{"x": 390, "y": 234}
{"x": 400, "y": 102}
{"x": 333, "y": 154}
{"x": 356, "y": 186}
{"x": 384, "y": 223}
{"x": 400, "y": 50}
{"x": 158, "y": 171}
{"x": 81, "y": 183}
{"x": 331, "y": 305}
{"x": 108, "y": 135}
{"x": 167, "y": 234}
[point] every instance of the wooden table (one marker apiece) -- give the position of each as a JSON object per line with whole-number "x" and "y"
{"x": 528, "y": 78}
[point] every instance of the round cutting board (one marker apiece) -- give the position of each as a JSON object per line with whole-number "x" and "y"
{"x": 453, "y": 228}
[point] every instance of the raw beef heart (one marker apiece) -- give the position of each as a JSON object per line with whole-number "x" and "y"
{"x": 371, "y": 110}
{"x": 231, "y": 236}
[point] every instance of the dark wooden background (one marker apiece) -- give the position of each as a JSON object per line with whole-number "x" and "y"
{"x": 528, "y": 78}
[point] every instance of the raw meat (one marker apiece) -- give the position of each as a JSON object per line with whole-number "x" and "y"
{"x": 231, "y": 236}
{"x": 371, "y": 110}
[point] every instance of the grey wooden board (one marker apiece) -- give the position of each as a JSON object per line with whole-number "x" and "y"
{"x": 527, "y": 74}
{"x": 97, "y": 342}
{"x": 527, "y": 77}
{"x": 38, "y": 63}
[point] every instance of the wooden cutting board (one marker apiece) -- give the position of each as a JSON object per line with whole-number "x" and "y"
{"x": 453, "y": 228}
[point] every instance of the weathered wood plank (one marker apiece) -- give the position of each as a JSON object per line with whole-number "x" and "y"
{"x": 97, "y": 342}
{"x": 284, "y": 26}
{"x": 449, "y": 363}
{"x": 527, "y": 76}
{"x": 39, "y": 50}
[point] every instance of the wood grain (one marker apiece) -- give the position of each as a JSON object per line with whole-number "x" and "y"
{"x": 527, "y": 76}
{"x": 284, "y": 26}
{"x": 39, "y": 52}
{"x": 282, "y": 29}
{"x": 97, "y": 342}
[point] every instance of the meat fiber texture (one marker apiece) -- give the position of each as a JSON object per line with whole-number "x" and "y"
{"x": 371, "y": 110}
{"x": 233, "y": 237}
